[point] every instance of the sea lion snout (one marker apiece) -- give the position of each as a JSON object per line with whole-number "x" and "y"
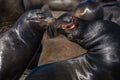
{"x": 42, "y": 22}
{"x": 41, "y": 19}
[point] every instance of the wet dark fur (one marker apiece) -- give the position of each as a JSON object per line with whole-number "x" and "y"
{"x": 101, "y": 62}
{"x": 19, "y": 44}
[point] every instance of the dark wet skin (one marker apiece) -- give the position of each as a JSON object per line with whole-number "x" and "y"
{"x": 19, "y": 44}
{"x": 102, "y": 60}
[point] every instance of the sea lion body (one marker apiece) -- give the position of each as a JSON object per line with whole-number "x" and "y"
{"x": 102, "y": 60}
{"x": 19, "y": 44}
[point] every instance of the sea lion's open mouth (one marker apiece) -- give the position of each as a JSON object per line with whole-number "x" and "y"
{"x": 52, "y": 30}
{"x": 68, "y": 26}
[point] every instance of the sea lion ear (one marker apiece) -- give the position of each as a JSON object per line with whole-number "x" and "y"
{"x": 68, "y": 26}
{"x": 45, "y": 8}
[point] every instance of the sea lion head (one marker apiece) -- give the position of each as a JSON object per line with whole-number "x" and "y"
{"x": 68, "y": 26}
{"x": 40, "y": 19}
{"x": 89, "y": 10}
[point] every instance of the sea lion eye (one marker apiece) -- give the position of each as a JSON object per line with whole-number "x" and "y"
{"x": 40, "y": 16}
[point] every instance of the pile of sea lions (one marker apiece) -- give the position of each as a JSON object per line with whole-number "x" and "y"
{"x": 88, "y": 24}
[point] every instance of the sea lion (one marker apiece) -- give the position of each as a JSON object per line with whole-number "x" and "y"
{"x": 102, "y": 60}
{"x": 19, "y": 44}
{"x": 10, "y": 11}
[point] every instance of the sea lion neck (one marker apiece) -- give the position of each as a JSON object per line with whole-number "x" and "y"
{"x": 98, "y": 37}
